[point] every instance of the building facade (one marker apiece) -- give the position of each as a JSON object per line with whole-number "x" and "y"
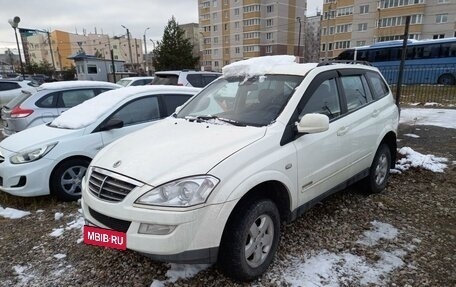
{"x": 232, "y": 30}
{"x": 353, "y": 23}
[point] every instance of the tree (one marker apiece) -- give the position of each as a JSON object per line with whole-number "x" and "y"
{"x": 174, "y": 52}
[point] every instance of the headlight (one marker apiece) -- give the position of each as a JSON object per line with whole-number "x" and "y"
{"x": 180, "y": 193}
{"x": 32, "y": 154}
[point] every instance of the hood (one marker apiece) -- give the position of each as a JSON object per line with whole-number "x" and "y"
{"x": 175, "y": 148}
{"x": 36, "y": 136}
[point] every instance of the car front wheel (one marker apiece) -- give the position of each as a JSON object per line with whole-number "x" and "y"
{"x": 250, "y": 240}
{"x": 379, "y": 171}
{"x": 67, "y": 177}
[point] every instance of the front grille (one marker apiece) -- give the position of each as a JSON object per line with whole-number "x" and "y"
{"x": 113, "y": 223}
{"x": 2, "y": 158}
{"x": 110, "y": 186}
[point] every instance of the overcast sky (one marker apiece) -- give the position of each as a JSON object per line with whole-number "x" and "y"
{"x": 106, "y": 16}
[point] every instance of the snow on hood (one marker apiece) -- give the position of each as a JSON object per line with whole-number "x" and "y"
{"x": 257, "y": 66}
{"x": 76, "y": 84}
{"x": 41, "y": 135}
{"x": 175, "y": 148}
{"x": 89, "y": 111}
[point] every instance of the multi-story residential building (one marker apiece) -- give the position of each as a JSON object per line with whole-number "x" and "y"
{"x": 192, "y": 34}
{"x": 64, "y": 45}
{"x": 311, "y": 39}
{"x": 353, "y": 23}
{"x": 233, "y": 30}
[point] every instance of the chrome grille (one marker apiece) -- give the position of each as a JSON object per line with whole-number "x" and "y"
{"x": 110, "y": 186}
{"x": 2, "y": 158}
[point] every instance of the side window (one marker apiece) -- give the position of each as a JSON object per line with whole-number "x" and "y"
{"x": 324, "y": 100}
{"x": 48, "y": 101}
{"x": 378, "y": 86}
{"x": 173, "y": 101}
{"x": 75, "y": 97}
{"x": 207, "y": 79}
{"x": 139, "y": 111}
{"x": 8, "y": 86}
{"x": 355, "y": 94}
{"x": 195, "y": 80}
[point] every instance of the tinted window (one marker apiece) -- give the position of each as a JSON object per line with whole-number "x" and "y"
{"x": 6, "y": 86}
{"x": 139, "y": 111}
{"x": 173, "y": 101}
{"x": 354, "y": 91}
{"x": 378, "y": 86}
{"x": 75, "y": 97}
{"x": 165, "y": 79}
{"x": 207, "y": 79}
{"x": 48, "y": 101}
{"x": 195, "y": 80}
{"x": 324, "y": 100}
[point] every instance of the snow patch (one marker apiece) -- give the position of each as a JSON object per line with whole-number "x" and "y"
{"x": 180, "y": 271}
{"x": 418, "y": 160}
{"x": 76, "y": 84}
{"x": 412, "y": 135}
{"x": 12, "y": 213}
{"x": 257, "y": 66}
{"x": 56, "y": 232}
{"x": 59, "y": 256}
{"x": 40, "y": 211}
{"x": 379, "y": 231}
{"x": 23, "y": 277}
{"x": 58, "y": 215}
{"x": 445, "y": 118}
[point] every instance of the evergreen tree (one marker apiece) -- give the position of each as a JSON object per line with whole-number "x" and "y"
{"x": 174, "y": 52}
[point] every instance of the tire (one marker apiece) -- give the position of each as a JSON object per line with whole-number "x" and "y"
{"x": 379, "y": 171}
{"x": 446, "y": 79}
{"x": 253, "y": 227}
{"x": 66, "y": 179}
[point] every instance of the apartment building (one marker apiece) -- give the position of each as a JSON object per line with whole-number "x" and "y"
{"x": 354, "y": 23}
{"x": 37, "y": 48}
{"x": 232, "y": 30}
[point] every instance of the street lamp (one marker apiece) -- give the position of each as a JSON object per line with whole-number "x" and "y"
{"x": 129, "y": 44}
{"x": 299, "y": 37}
{"x": 14, "y": 23}
{"x": 145, "y": 51}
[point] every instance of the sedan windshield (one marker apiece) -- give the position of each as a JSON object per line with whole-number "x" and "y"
{"x": 256, "y": 101}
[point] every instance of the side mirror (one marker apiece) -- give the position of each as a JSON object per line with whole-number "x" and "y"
{"x": 313, "y": 123}
{"x": 112, "y": 124}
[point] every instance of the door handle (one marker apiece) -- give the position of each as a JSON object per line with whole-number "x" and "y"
{"x": 375, "y": 113}
{"x": 342, "y": 131}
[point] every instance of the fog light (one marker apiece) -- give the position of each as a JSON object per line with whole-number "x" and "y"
{"x": 155, "y": 229}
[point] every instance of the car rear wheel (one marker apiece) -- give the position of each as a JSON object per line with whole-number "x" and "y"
{"x": 446, "y": 79}
{"x": 379, "y": 171}
{"x": 67, "y": 177}
{"x": 250, "y": 240}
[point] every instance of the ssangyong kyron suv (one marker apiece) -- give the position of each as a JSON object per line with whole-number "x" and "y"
{"x": 253, "y": 150}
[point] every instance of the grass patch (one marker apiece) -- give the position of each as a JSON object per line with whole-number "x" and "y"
{"x": 440, "y": 94}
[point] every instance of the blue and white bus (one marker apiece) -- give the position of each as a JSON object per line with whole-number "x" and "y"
{"x": 427, "y": 61}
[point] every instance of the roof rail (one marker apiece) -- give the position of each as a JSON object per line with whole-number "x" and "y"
{"x": 331, "y": 62}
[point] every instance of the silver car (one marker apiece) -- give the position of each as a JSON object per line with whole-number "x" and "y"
{"x": 51, "y": 99}
{"x": 9, "y": 89}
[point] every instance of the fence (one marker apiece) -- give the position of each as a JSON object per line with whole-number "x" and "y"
{"x": 424, "y": 83}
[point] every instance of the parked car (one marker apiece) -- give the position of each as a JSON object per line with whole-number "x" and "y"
{"x": 198, "y": 79}
{"x": 9, "y": 89}
{"x": 255, "y": 148}
{"x": 135, "y": 81}
{"x": 51, "y": 100}
{"x": 53, "y": 158}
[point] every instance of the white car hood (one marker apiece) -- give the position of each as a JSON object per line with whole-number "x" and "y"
{"x": 174, "y": 148}
{"x": 36, "y": 136}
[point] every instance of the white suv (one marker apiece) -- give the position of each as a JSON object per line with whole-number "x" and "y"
{"x": 254, "y": 149}
{"x": 198, "y": 79}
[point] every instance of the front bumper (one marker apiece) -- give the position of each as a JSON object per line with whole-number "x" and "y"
{"x": 28, "y": 179}
{"x": 194, "y": 240}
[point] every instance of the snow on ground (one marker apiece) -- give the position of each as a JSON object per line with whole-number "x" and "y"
{"x": 12, "y": 213}
{"x": 411, "y": 135}
{"x": 417, "y": 160}
{"x": 445, "y": 118}
{"x": 330, "y": 269}
{"x": 24, "y": 274}
{"x": 59, "y": 256}
{"x": 180, "y": 271}
{"x": 58, "y": 215}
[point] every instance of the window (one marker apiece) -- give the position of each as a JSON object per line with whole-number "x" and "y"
{"x": 6, "y": 86}
{"x": 214, "y": 3}
{"x": 216, "y": 52}
{"x": 438, "y": 36}
{"x": 345, "y": 11}
{"x": 214, "y": 15}
{"x": 378, "y": 86}
{"x": 206, "y": 4}
{"x": 251, "y": 48}
{"x": 216, "y": 63}
{"x": 92, "y": 69}
{"x": 49, "y": 101}
{"x": 215, "y": 40}
{"x": 269, "y": 35}
{"x": 72, "y": 98}
{"x": 270, "y": 8}
{"x": 251, "y": 22}
{"x": 268, "y": 49}
{"x": 342, "y": 44}
{"x": 215, "y": 28}
{"x": 237, "y": 37}
{"x": 443, "y": 1}
{"x": 344, "y": 28}
{"x": 237, "y": 50}
{"x": 139, "y": 111}
{"x": 363, "y": 9}
{"x": 252, "y": 8}
{"x": 173, "y": 101}
{"x": 226, "y": 26}
{"x": 236, "y": 11}
{"x": 360, "y": 43}
{"x": 252, "y": 35}
{"x": 324, "y": 100}
{"x": 441, "y": 18}
{"x": 237, "y": 25}
{"x": 362, "y": 27}
{"x": 269, "y": 22}
{"x": 354, "y": 91}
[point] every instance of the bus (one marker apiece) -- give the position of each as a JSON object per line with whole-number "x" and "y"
{"x": 427, "y": 61}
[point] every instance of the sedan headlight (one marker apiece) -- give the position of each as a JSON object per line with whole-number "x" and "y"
{"x": 180, "y": 193}
{"x": 32, "y": 154}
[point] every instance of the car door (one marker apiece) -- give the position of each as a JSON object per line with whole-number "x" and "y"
{"x": 135, "y": 114}
{"x": 322, "y": 156}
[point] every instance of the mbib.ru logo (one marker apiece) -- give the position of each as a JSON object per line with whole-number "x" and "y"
{"x": 105, "y": 237}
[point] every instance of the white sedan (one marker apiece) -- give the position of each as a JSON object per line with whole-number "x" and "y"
{"x": 53, "y": 158}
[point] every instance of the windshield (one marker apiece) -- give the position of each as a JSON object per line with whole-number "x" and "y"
{"x": 255, "y": 101}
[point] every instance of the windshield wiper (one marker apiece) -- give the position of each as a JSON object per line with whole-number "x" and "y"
{"x": 200, "y": 119}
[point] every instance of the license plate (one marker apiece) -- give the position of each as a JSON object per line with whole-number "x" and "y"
{"x": 105, "y": 237}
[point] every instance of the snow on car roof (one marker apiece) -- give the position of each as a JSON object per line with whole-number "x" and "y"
{"x": 89, "y": 111}
{"x": 283, "y": 64}
{"x": 76, "y": 84}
